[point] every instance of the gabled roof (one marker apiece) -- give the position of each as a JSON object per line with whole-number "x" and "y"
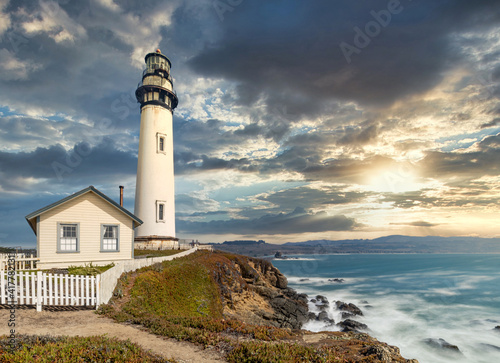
{"x": 31, "y": 218}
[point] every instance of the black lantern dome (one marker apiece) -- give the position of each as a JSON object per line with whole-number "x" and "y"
{"x": 156, "y": 86}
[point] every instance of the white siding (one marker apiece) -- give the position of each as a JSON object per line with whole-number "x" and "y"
{"x": 90, "y": 211}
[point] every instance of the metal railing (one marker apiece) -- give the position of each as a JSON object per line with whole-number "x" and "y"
{"x": 152, "y": 71}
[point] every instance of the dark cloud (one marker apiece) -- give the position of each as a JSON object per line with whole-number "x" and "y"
{"x": 83, "y": 165}
{"x": 471, "y": 165}
{"x": 268, "y": 56}
{"x": 458, "y": 194}
{"x": 298, "y": 221}
{"x": 307, "y": 197}
{"x": 492, "y": 123}
{"x": 360, "y": 135}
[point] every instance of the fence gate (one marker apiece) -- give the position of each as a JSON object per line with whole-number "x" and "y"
{"x": 40, "y": 288}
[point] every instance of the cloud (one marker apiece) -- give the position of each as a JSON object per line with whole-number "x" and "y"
{"x": 469, "y": 165}
{"x": 492, "y": 123}
{"x": 298, "y": 221}
{"x": 417, "y": 224}
{"x": 82, "y": 165}
{"x": 303, "y": 54}
{"x": 4, "y": 17}
{"x": 14, "y": 69}
{"x": 308, "y": 197}
{"x": 55, "y": 22}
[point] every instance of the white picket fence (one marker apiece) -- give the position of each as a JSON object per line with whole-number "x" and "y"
{"x": 21, "y": 261}
{"x": 46, "y": 289}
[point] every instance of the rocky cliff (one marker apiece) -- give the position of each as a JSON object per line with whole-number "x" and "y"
{"x": 254, "y": 291}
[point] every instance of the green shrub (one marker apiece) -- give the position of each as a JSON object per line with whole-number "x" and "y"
{"x": 89, "y": 270}
{"x": 46, "y": 349}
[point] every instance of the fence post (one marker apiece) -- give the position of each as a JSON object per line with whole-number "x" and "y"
{"x": 97, "y": 289}
{"x": 39, "y": 291}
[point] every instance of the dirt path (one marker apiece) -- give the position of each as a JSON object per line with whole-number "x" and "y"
{"x": 87, "y": 323}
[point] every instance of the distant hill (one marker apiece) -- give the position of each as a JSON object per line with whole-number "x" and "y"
{"x": 387, "y": 244}
{"x": 243, "y": 243}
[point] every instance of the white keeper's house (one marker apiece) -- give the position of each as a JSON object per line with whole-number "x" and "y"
{"x": 85, "y": 227}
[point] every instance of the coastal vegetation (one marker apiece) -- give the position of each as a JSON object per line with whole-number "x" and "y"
{"x": 48, "y": 349}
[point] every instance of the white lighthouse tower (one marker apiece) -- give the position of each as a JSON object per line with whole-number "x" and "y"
{"x": 154, "y": 193}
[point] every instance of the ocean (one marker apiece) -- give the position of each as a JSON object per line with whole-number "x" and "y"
{"x": 409, "y": 298}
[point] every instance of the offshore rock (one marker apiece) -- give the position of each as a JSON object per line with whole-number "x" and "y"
{"x": 491, "y": 346}
{"x": 348, "y": 307}
{"x": 339, "y": 281}
{"x": 323, "y": 316}
{"x": 442, "y": 345}
{"x": 321, "y": 302}
{"x": 349, "y": 325}
{"x": 345, "y": 315}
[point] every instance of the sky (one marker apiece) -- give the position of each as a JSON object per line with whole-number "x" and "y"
{"x": 297, "y": 120}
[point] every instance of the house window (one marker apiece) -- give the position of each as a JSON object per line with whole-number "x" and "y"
{"x": 68, "y": 236}
{"x": 161, "y": 143}
{"x": 110, "y": 240}
{"x": 160, "y": 211}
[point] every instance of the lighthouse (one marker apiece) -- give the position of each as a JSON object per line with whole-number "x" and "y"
{"x": 154, "y": 193}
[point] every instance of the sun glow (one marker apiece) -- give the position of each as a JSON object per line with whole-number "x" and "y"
{"x": 393, "y": 181}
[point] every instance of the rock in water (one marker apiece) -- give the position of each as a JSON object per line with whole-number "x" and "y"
{"x": 490, "y": 346}
{"x": 442, "y": 344}
{"x": 352, "y": 325}
{"x": 339, "y": 281}
{"x": 497, "y": 328}
{"x": 321, "y": 302}
{"x": 350, "y": 308}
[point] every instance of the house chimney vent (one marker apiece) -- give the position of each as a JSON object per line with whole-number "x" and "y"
{"x": 121, "y": 195}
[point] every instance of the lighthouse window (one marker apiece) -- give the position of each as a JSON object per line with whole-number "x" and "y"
{"x": 160, "y": 143}
{"x": 160, "y": 211}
